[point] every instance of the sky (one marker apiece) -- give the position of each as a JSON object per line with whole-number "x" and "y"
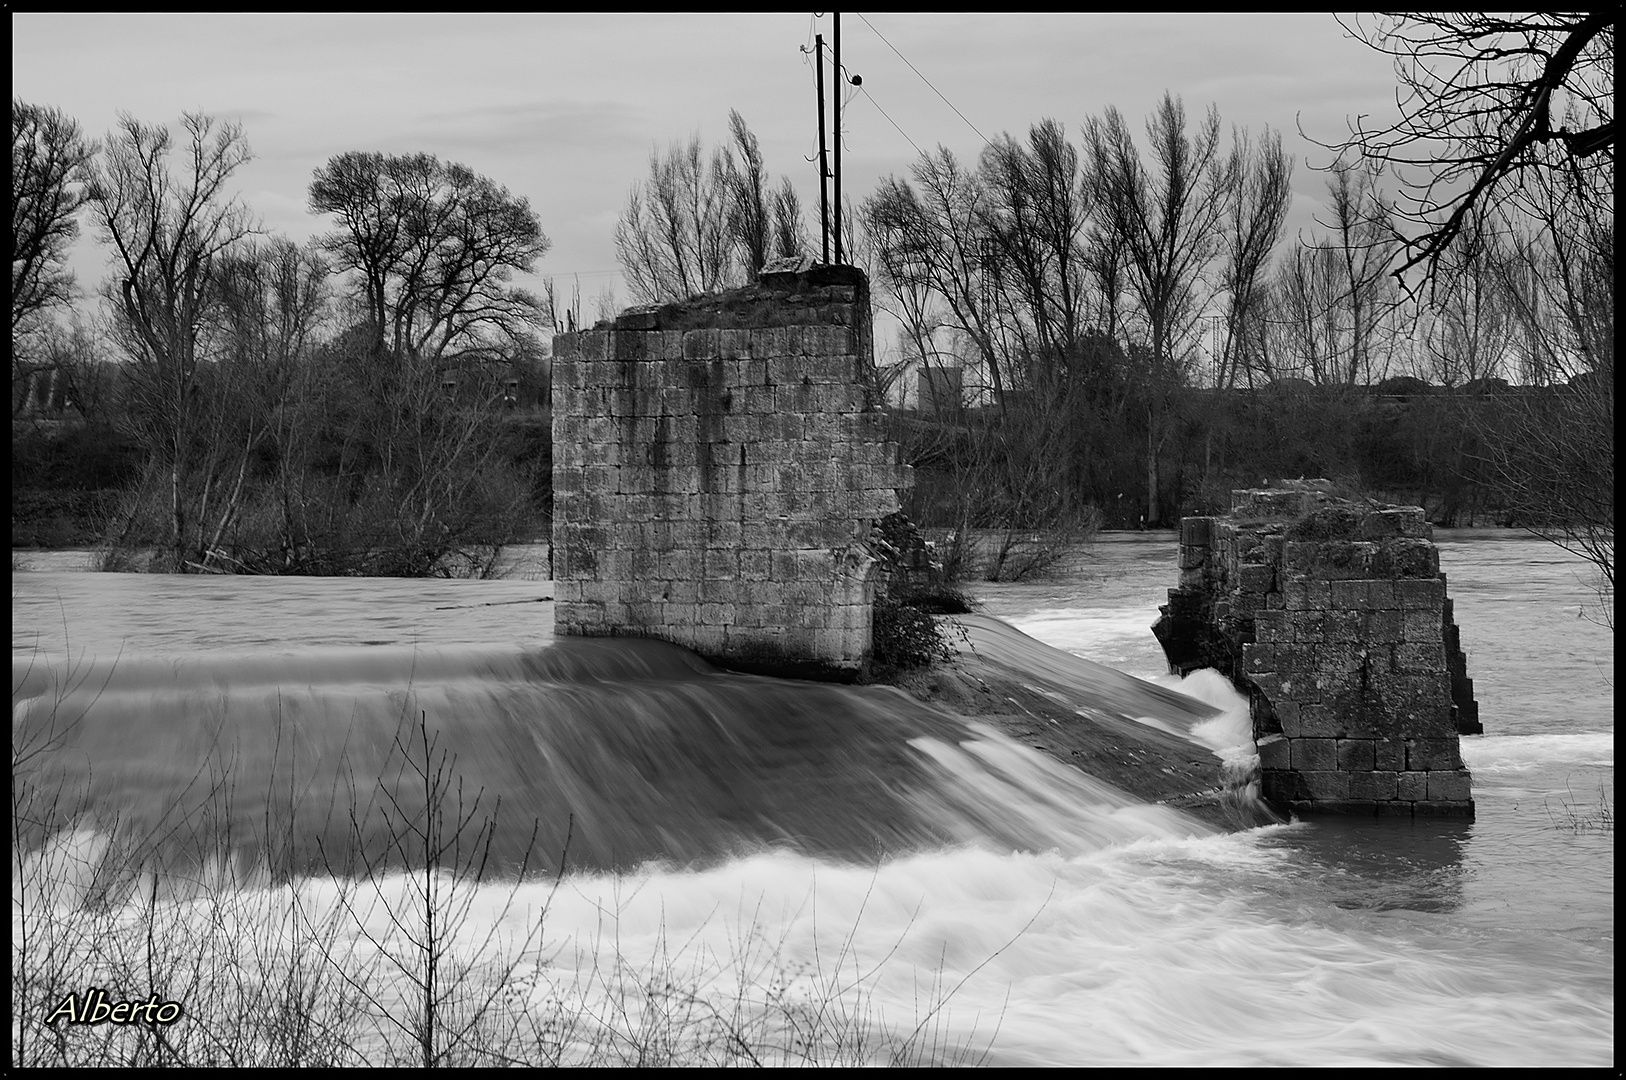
{"x": 565, "y": 109}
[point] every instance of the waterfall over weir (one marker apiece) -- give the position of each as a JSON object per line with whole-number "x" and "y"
{"x": 601, "y": 753}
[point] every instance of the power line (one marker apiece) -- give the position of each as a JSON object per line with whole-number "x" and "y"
{"x": 894, "y": 123}
{"x": 923, "y": 79}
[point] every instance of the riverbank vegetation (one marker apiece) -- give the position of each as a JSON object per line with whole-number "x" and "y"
{"x": 363, "y": 404}
{"x": 1103, "y": 327}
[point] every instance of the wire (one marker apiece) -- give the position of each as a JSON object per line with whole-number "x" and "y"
{"x": 865, "y": 91}
{"x": 923, "y": 79}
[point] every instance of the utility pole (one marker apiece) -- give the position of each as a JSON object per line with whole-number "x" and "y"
{"x": 836, "y": 67}
{"x": 824, "y": 172}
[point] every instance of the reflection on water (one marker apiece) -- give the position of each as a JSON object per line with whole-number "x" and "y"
{"x": 1383, "y": 864}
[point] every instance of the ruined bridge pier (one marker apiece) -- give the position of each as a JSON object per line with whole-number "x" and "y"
{"x": 1332, "y": 617}
{"x": 718, "y": 467}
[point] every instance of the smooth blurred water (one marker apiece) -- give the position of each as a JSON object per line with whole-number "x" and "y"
{"x": 1064, "y": 941}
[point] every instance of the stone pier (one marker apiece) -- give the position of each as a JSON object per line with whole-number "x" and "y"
{"x": 1332, "y": 617}
{"x": 719, "y": 465}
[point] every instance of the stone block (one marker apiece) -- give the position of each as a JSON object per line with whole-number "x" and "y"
{"x": 1272, "y": 626}
{"x": 1449, "y": 786}
{"x": 1419, "y": 658}
{"x": 1311, "y": 754}
{"x": 1422, "y": 626}
{"x": 756, "y": 401}
{"x": 1407, "y": 558}
{"x": 1303, "y": 594}
{"x": 755, "y": 565}
{"x": 1308, "y": 626}
{"x": 1381, "y": 628}
{"x": 1280, "y": 785}
{"x": 1325, "y": 786}
{"x": 1349, "y": 595}
{"x": 770, "y": 342}
{"x": 1377, "y": 786}
{"x": 1262, "y": 658}
{"x": 567, "y": 348}
{"x": 678, "y": 591}
{"x": 1411, "y": 786}
{"x": 1427, "y": 755}
{"x": 700, "y": 345}
{"x": 1340, "y": 626}
{"x": 667, "y": 345}
{"x": 1389, "y": 754}
{"x": 1275, "y": 752}
{"x": 628, "y": 346}
{"x": 1322, "y": 721}
{"x": 1396, "y": 521}
{"x": 1196, "y": 531}
{"x": 716, "y": 614}
{"x": 1265, "y": 503}
{"x": 1421, "y": 594}
{"x": 734, "y": 344}
{"x": 1356, "y": 755}
{"x": 1342, "y": 560}
{"x": 1256, "y": 579}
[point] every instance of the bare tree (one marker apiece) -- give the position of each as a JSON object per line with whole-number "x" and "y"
{"x": 1167, "y": 219}
{"x": 1467, "y": 329}
{"x": 1363, "y": 236}
{"x": 48, "y": 151}
{"x": 1035, "y": 214}
{"x": 1306, "y": 315}
{"x": 749, "y": 219}
{"x": 171, "y": 234}
{"x": 938, "y": 238}
{"x": 435, "y": 246}
{"x": 699, "y": 225}
{"x": 674, "y": 240}
{"x": 1252, "y": 227}
{"x": 789, "y": 229}
{"x": 1487, "y": 98}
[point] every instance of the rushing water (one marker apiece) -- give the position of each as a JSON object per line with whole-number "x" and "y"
{"x": 804, "y": 831}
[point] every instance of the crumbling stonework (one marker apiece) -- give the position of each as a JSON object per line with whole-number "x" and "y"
{"x": 718, "y": 467}
{"x": 1333, "y": 618}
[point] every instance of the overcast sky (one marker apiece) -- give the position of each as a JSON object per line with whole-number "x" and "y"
{"x": 565, "y": 109}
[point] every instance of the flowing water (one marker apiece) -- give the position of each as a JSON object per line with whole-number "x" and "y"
{"x": 848, "y": 842}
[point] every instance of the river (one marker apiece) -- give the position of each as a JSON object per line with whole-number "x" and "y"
{"x": 784, "y": 851}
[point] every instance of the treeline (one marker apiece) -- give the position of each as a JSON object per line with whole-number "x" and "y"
{"x": 1089, "y": 325}
{"x": 1089, "y": 331}
{"x": 331, "y": 408}
{"x": 1416, "y": 446}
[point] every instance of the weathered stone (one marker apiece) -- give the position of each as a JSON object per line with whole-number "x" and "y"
{"x": 1333, "y": 617}
{"x": 1426, "y": 755}
{"x": 1313, "y": 755}
{"x": 692, "y": 502}
{"x": 1396, "y": 521}
{"x": 1325, "y": 786}
{"x": 1275, "y": 752}
{"x": 1376, "y": 786}
{"x": 1356, "y": 755}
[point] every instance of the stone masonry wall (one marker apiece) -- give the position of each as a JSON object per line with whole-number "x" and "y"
{"x": 718, "y": 468}
{"x": 1333, "y": 618}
